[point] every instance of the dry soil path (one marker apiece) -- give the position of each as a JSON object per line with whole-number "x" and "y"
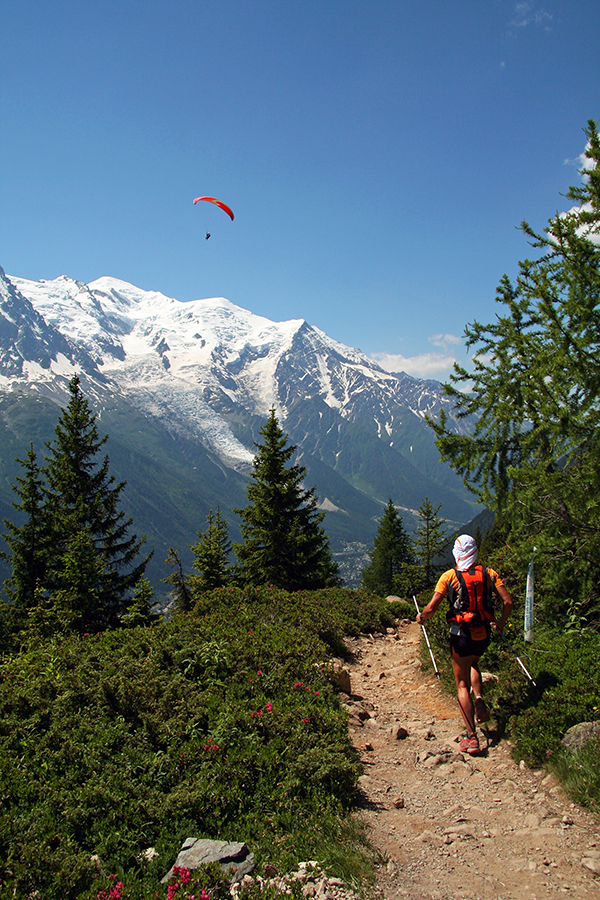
{"x": 450, "y": 826}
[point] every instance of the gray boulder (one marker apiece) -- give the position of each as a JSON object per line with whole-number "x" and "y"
{"x": 578, "y": 735}
{"x": 233, "y": 857}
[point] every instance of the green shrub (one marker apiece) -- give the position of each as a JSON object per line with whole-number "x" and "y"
{"x": 221, "y": 723}
{"x": 568, "y": 677}
{"x": 402, "y": 609}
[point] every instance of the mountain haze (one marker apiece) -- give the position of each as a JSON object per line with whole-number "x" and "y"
{"x": 182, "y": 389}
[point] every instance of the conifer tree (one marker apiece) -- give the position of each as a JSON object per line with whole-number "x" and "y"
{"x": 431, "y": 540}
{"x": 534, "y": 453}
{"x": 30, "y": 542}
{"x": 139, "y": 612}
{"x": 284, "y": 543}
{"x": 94, "y": 565}
{"x": 181, "y": 593}
{"x": 211, "y": 554}
{"x": 391, "y": 551}
{"x": 78, "y": 577}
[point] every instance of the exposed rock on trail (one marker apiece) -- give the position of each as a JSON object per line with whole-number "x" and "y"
{"x": 451, "y": 826}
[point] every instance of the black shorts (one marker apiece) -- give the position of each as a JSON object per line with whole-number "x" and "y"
{"x": 463, "y": 643}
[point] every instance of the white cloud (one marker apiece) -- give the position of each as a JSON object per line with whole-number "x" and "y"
{"x": 445, "y": 340}
{"x": 435, "y": 364}
{"x": 582, "y": 161}
{"x": 424, "y": 365}
{"x": 527, "y": 13}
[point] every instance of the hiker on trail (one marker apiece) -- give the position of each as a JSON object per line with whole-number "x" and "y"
{"x": 469, "y": 589}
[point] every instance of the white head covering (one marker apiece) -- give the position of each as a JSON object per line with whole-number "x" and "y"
{"x": 465, "y": 552}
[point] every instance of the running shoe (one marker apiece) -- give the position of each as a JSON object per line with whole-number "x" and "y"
{"x": 470, "y": 744}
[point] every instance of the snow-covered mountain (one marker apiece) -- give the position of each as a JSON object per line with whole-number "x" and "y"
{"x": 209, "y": 372}
{"x": 181, "y": 362}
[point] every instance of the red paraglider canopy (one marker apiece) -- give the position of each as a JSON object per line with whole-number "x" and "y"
{"x": 220, "y": 203}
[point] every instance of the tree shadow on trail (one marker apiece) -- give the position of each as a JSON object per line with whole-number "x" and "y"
{"x": 362, "y": 801}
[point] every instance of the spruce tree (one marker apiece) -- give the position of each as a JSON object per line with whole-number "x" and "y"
{"x": 431, "y": 540}
{"x": 77, "y": 581}
{"x": 139, "y": 612}
{"x": 391, "y": 551}
{"x": 211, "y": 554}
{"x": 95, "y": 561}
{"x": 284, "y": 543}
{"x": 30, "y": 542}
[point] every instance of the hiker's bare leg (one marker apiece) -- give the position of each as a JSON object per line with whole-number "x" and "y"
{"x": 476, "y": 682}
{"x": 462, "y": 673}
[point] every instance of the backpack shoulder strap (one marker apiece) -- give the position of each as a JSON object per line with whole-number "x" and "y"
{"x": 455, "y": 590}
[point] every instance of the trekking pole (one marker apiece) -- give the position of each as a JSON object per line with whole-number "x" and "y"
{"x": 427, "y": 639}
{"x": 512, "y": 650}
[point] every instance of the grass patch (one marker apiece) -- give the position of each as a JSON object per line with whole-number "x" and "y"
{"x": 579, "y": 773}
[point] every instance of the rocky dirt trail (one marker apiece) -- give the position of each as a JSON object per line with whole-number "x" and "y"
{"x": 451, "y": 826}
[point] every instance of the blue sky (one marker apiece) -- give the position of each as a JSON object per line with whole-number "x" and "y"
{"x": 378, "y": 156}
